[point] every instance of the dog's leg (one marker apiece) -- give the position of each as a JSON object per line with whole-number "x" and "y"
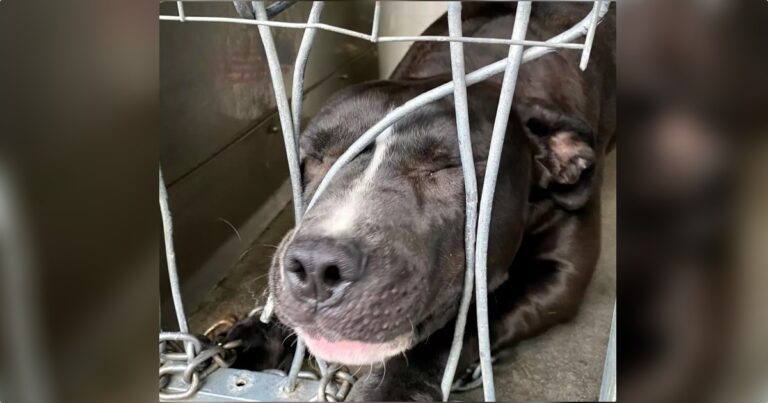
{"x": 546, "y": 283}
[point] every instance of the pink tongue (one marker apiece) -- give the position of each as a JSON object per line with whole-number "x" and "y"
{"x": 351, "y": 352}
{"x": 342, "y": 347}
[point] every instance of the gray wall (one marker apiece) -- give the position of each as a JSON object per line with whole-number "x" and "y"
{"x": 221, "y": 149}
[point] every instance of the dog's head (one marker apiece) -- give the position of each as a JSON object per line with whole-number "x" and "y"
{"x": 377, "y": 264}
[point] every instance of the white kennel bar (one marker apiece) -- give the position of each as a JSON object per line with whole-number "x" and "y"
{"x": 222, "y": 384}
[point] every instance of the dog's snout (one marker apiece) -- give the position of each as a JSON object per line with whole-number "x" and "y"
{"x": 318, "y": 269}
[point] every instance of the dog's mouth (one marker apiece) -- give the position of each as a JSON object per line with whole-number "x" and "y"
{"x": 352, "y": 352}
{"x": 392, "y": 305}
{"x": 341, "y": 350}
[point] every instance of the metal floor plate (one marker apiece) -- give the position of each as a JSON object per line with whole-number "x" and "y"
{"x": 235, "y": 385}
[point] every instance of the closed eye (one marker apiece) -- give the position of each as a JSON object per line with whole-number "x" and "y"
{"x": 311, "y": 166}
{"x": 442, "y": 168}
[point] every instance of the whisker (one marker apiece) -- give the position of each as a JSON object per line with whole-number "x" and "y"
{"x": 243, "y": 253}
{"x": 259, "y": 277}
{"x": 384, "y": 363}
{"x": 231, "y": 226}
{"x": 370, "y": 371}
{"x": 288, "y": 336}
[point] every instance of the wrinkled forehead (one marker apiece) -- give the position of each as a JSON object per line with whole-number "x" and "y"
{"x": 429, "y": 132}
{"x": 374, "y": 182}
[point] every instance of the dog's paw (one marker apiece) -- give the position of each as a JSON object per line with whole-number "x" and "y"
{"x": 471, "y": 379}
{"x": 261, "y": 345}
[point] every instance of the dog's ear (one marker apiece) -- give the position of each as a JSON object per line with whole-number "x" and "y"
{"x": 564, "y": 154}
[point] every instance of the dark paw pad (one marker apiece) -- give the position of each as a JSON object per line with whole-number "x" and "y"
{"x": 262, "y": 345}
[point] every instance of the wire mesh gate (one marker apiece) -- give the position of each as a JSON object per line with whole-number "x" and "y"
{"x": 199, "y": 372}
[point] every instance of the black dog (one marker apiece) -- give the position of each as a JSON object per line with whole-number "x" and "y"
{"x": 374, "y": 274}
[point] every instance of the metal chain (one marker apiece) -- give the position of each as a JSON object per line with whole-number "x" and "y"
{"x": 193, "y": 366}
{"x": 207, "y": 356}
{"x": 334, "y": 385}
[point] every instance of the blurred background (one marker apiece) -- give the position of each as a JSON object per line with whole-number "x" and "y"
{"x": 692, "y": 182}
{"x": 82, "y": 127}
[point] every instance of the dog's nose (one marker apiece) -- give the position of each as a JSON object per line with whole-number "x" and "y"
{"x": 318, "y": 269}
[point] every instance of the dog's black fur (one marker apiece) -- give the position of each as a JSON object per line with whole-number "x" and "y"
{"x": 402, "y": 259}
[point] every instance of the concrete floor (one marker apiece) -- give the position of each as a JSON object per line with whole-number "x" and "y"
{"x": 564, "y": 364}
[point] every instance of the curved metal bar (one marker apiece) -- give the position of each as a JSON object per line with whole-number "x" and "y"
{"x": 297, "y": 89}
{"x": 515, "y": 58}
{"x": 439, "y": 92}
{"x": 579, "y": 29}
{"x": 470, "y": 193}
{"x": 608, "y": 385}
{"x": 269, "y": 308}
{"x": 470, "y": 39}
{"x": 290, "y": 150}
{"x": 170, "y": 260}
{"x": 376, "y": 22}
{"x": 243, "y": 9}
{"x": 298, "y": 360}
{"x": 283, "y": 108}
{"x": 170, "y": 256}
{"x": 180, "y": 7}
{"x": 297, "y": 93}
{"x": 590, "y": 36}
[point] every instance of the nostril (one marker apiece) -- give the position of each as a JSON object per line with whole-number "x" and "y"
{"x": 332, "y": 276}
{"x": 317, "y": 269}
{"x": 298, "y": 271}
